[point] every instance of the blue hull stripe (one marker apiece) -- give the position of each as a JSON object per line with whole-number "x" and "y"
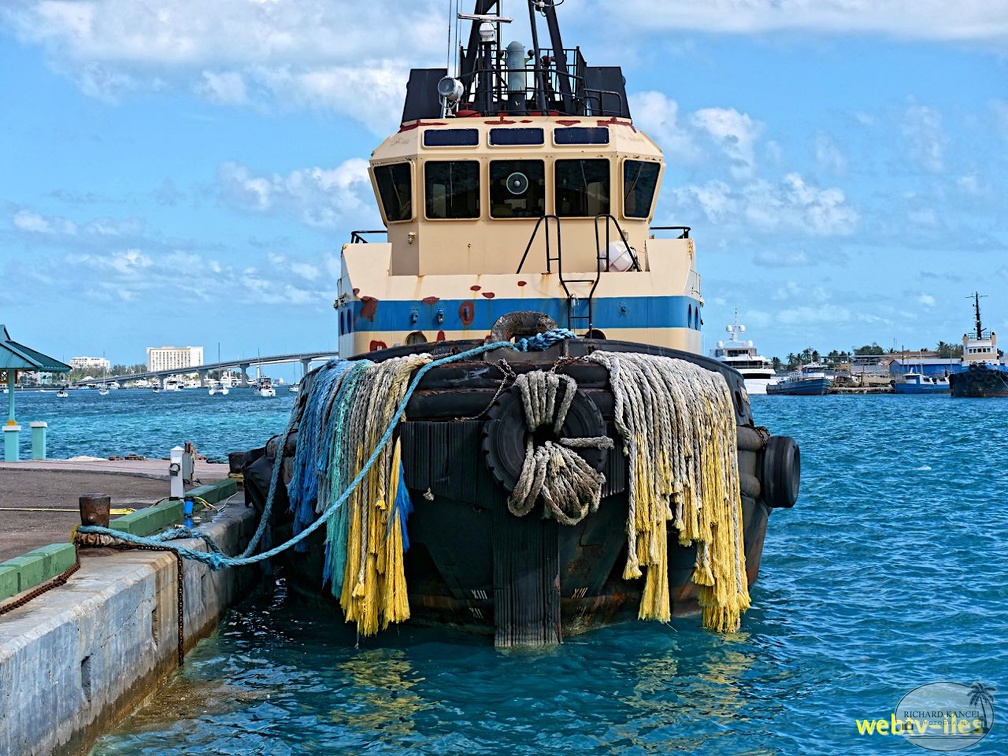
{"x": 611, "y": 312}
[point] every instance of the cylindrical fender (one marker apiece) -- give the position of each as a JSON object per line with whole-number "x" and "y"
{"x": 521, "y": 323}
{"x": 504, "y": 434}
{"x": 781, "y": 471}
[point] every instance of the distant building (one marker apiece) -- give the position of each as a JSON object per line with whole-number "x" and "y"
{"x": 90, "y": 363}
{"x": 173, "y": 358}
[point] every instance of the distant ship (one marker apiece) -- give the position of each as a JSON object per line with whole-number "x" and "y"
{"x": 757, "y": 371}
{"x": 809, "y": 380}
{"x": 984, "y": 373}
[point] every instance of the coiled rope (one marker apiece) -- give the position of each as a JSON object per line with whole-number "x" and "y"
{"x": 569, "y": 486}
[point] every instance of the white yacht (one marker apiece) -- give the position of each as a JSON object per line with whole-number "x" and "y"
{"x": 756, "y": 369}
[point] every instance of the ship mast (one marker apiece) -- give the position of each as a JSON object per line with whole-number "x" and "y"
{"x": 979, "y": 329}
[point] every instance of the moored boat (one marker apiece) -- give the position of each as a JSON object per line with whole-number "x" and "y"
{"x": 757, "y": 371}
{"x": 808, "y": 380}
{"x": 914, "y": 382}
{"x": 475, "y": 464}
{"x": 983, "y": 373}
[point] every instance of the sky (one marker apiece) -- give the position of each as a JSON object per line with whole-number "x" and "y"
{"x": 183, "y": 172}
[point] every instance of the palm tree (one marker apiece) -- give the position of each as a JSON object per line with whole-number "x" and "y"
{"x": 984, "y": 696}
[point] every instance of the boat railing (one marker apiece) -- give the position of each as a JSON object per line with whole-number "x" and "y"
{"x": 683, "y": 230}
{"x": 544, "y": 221}
{"x": 541, "y": 85}
{"x": 358, "y": 237}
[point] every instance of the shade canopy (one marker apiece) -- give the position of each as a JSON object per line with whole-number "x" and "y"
{"x": 14, "y": 356}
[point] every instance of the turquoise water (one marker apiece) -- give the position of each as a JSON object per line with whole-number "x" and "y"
{"x": 888, "y": 574}
{"x": 138, "y": 421}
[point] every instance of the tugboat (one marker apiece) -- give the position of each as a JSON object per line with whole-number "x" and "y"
{"x": 524, "y": 440}
{"x": 982, "y": 372}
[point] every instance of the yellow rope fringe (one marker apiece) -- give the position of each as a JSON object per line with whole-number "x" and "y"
{"x": 374, "y": 585}
{"x": 678, "y": 428}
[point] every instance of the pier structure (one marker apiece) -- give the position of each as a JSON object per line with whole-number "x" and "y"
{"x": 242, "y": 364}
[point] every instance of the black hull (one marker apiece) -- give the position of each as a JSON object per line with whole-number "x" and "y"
{"x": 473, "y": 566}
{"x": 979, "y": 381}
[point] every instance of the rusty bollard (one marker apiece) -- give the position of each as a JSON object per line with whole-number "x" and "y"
{"x": 95, "y": 509}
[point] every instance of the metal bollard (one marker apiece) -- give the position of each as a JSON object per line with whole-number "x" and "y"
{"x": 95, "y": 509}
{"x": 38, "y": 433}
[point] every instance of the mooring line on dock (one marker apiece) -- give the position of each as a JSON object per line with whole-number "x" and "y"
{"x": 216, "y": 560}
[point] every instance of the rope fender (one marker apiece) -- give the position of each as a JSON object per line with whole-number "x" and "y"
{"x": 570, "y": 487}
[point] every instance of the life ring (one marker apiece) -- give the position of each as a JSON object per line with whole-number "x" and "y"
{"x": 505, "y": 434}
{"x": 521, "y": 323}
{"x": 781, "y": 471}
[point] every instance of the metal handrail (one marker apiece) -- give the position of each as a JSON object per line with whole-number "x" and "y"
{"x": 532, "y": 237}
{"x": 357, "y": 237}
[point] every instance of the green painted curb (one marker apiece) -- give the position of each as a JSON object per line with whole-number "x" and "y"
{"x": 10, "y": 580}
{"x": 217, "y": 491}
{"x": 144, "y": 522}
{"x": 34, "y": 568}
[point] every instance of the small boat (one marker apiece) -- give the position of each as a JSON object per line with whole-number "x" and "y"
{"x": 294, "y": 388}
{"x": 809, "y": 380}
{"x": 62, "y": 393}
{"x": 914, "y": 382}
{"x": 218, "y": 387}
{"x": 264, "y": 387}
{"x": 155, "y": 390}
{"x": 982, "y": 372}
{"x": 525, "y": 435}
{"x": 171, "y": 383}
{"x": 103, "y": 390}
{"x": 757, "y": 371}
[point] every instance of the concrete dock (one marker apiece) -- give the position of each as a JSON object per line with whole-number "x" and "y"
{"x": 39, "y": 498}
{"x": 77, "y": 659}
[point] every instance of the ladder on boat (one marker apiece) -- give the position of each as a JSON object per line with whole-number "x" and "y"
{"x": 580, "y": 309}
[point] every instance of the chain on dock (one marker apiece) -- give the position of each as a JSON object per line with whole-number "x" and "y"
{"x": 39, "y": 590}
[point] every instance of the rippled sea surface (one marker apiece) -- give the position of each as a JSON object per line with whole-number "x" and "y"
{"x": 888, "y": 574}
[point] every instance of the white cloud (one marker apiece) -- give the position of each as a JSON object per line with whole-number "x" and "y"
{"x": 792, "y": 205}
{"x": 926, "y": 300}
{"x": 902, "y": 19}
{"x": 318, "y": 197}
{"x": 925, "y": 137}
{"x": 828, "y": 155}
{"x": 25, "y": 220}
{"x": 224, "y": 88}
{"x": 735, "y": 133}
{"x": 658, "y": 116}
{"x": 327, "y": 54}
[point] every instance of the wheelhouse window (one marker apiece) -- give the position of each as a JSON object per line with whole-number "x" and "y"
{"x": 517, "y": 188}
{"x": 582, "y": 188}
{"x": 640, "y": 180}
{"x": 395, "y": 190}
{"x": 452, "y": 188}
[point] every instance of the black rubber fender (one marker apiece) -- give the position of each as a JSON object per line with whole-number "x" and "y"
{"x": 504, "y": 434}
{"x": 781, "y": 471}
{"x": 521, "y": 323}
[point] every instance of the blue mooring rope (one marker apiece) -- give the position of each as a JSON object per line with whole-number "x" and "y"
{"x": 216, "y": 560}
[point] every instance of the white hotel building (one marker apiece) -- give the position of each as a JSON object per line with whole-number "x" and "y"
{"x": 87, "y": 364}
{"x": 173, "y": 358}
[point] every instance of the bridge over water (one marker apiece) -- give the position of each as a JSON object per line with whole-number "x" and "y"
{"x": 242, "y": 364}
